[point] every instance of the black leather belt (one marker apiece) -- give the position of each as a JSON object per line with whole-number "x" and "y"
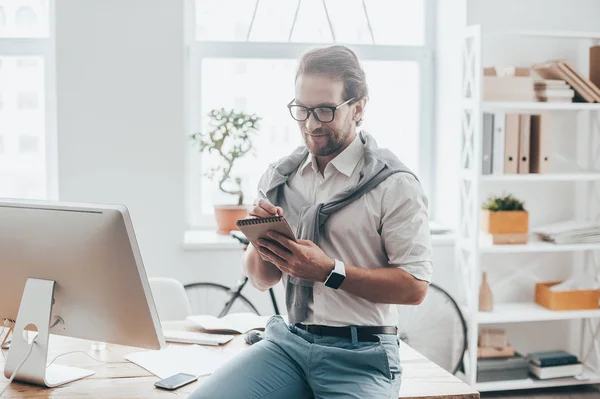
{"x": 363, "y": 333}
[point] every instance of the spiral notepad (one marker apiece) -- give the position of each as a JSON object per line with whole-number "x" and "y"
{"x": 255, "y": 228}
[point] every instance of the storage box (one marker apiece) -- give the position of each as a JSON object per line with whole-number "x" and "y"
{"x": 508, "y": 88}
{"x": 501, "y": 369}
{"x": 504, "y": 222}
{"x": 565, "y": 300}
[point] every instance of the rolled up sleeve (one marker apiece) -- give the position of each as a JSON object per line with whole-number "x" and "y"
{"x": 404, "y": 226}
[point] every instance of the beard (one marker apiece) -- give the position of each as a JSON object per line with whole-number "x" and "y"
{"x": 328, "y": 142}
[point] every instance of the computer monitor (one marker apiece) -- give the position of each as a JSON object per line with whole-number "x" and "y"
{"x": 77, "y": 265}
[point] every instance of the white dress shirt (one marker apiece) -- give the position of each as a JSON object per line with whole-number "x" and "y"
{"x": 386, "y": 227}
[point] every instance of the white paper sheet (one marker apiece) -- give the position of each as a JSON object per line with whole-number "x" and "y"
{"x": 238, "y": 322}
{"x": 190, "y": 359}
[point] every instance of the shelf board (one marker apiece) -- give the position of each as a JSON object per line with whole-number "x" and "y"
{"x": 537, "y": 246}
{"x": 535, "y": 177}
{"x": 532, "y": 383}
{"x": 519, "y": 312}
{"x": 556, "y": 34}
{"x": 521, "y": 106}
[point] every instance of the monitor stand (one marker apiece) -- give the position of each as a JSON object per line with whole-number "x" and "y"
{"x": 36, "y": 309}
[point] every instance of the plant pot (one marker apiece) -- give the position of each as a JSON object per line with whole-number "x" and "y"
{"x": 227, "y": 215}
{"x": 504, "y": 222}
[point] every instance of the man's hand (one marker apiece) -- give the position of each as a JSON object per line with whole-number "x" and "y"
{"x": 302, "y": 259}
{"x": 263, "y": 208}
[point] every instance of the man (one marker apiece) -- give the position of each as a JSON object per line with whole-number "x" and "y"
{"x": 360, "y": 217}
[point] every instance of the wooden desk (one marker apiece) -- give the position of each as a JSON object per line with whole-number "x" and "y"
{"x": 421, "y": 378}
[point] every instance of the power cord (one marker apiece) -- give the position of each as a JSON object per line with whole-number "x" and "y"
{"x": 85, "y": 353}
{"x": 12, "y": 377}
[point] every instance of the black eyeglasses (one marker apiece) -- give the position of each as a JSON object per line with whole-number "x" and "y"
{"x": 322, "y": 113}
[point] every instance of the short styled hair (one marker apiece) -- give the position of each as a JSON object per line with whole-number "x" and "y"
{"x": 339, "y": 62}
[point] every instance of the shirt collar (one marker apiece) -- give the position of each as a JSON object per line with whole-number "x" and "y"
{"x": 345, "y": 162}
{"x": 310, "y": 161}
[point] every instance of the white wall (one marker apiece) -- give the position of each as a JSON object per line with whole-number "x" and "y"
{"x": 581, "y": 15}
{"x": 120, "y": 93}
{"x": 450, "y": 23}
{"x": 120, "y": 113}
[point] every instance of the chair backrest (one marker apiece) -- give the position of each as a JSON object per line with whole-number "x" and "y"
{"x": 171, "y": 301}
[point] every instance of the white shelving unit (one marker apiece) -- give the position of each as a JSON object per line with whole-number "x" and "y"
{"x": 471, "y": 248}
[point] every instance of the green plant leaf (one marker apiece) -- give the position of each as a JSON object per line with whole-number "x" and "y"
{"x": 503, "y": 203}
{"x": 229, "y": 134}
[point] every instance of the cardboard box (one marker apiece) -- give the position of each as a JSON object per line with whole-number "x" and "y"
{"x": 492, "y": 337}
{"x": 565, "y": 300}
{"x": 487, "y": 352}
{"x": 517, "y": 71}
{"x": 508, "y": 88}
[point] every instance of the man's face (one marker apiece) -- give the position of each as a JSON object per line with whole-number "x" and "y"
{"x": 323, "y": 139}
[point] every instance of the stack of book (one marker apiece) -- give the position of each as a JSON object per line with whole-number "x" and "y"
{"x": 554, "y": 364}
{"x": 493, "y": 343}
{"x": 553, "y": 91}
{"x": 497, "y": 359}
{"x": 570, "y": 232}
{"x": 502, "y": 368}
{"x": 585, "y": 90}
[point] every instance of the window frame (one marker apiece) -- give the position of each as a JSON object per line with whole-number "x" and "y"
{"x": 197, "y": 51}
{"x": 45, "y": 49}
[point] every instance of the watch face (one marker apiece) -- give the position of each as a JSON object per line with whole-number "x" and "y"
{"x": 335, "y": 280}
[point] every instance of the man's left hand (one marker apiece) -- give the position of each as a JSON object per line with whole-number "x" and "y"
{"x": 302, "y": 259}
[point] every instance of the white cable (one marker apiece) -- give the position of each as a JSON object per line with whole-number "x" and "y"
{"x": 88, "y": 355}
{"x": 12, "y": 377}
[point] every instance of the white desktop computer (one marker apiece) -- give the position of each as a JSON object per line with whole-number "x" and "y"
{"x": 77, "y": 268}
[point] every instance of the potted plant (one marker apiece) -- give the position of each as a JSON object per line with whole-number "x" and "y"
{"x": 505, "y": 219}
{"x": 229, "y": 135}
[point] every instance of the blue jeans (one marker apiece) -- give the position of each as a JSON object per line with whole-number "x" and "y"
{"x": 291, "y": 363}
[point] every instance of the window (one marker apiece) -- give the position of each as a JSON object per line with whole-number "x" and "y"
{"x": 237, "y": 46}
{"x": 26, "y": 114}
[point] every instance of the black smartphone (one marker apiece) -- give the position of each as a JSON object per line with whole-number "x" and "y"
{"x": 175, "y": 381}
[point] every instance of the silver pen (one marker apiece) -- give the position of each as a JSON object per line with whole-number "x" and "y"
{"x": 264, "y": 196}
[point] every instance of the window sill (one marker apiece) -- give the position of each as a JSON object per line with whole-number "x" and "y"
{"x": 209, "y": 240}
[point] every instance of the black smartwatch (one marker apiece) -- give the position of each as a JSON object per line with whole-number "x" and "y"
{"x": 337, "y": 275}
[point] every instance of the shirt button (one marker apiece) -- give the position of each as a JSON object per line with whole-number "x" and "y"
{"x": 319, "y": 291}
